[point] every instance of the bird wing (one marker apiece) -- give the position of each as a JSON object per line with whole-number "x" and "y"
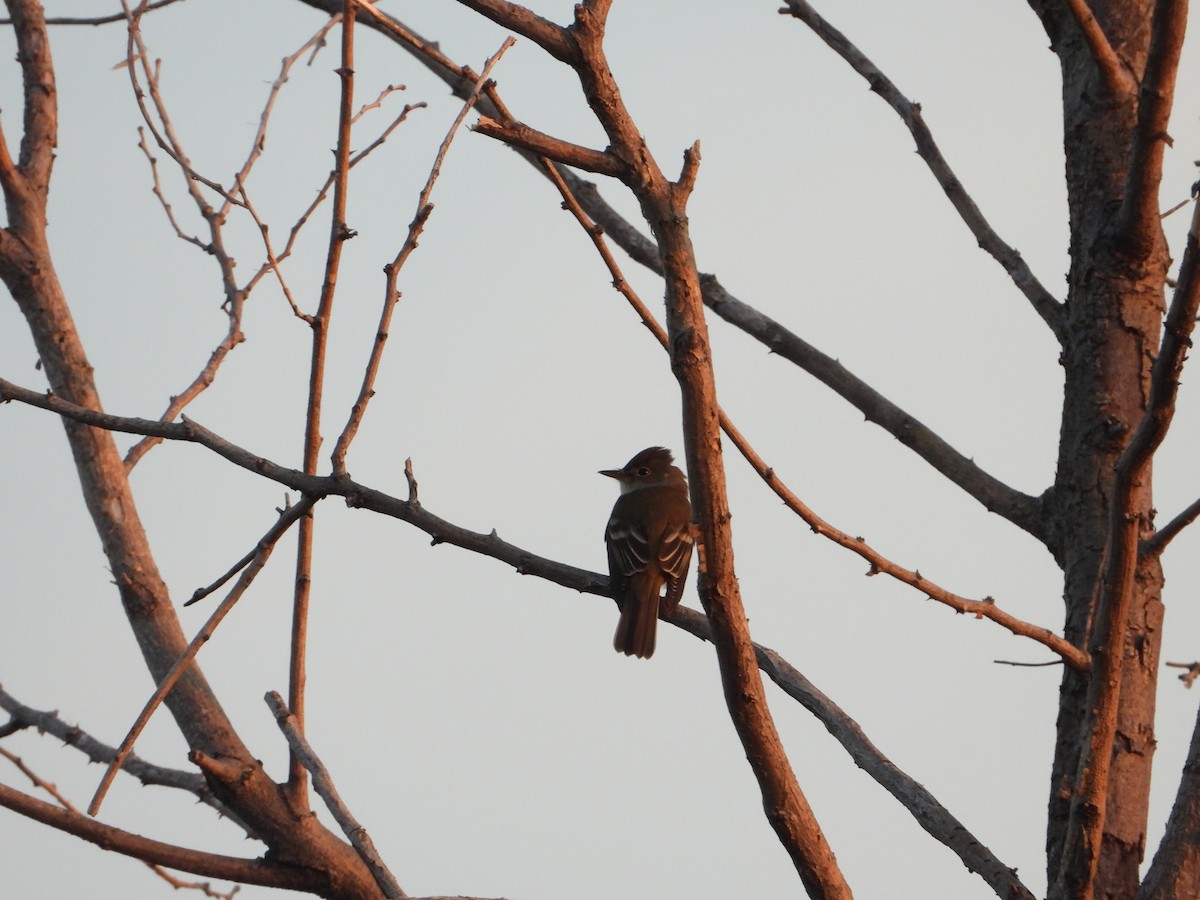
{"x": 674, "y": 554}
{"x": 628, "y": 548}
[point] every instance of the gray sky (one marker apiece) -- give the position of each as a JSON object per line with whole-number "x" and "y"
{"x": 477, "y": 721}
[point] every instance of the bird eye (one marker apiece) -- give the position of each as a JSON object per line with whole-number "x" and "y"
{"x": 643, "y": 471}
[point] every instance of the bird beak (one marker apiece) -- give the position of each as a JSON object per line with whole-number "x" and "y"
{"x": 611, "y": 473}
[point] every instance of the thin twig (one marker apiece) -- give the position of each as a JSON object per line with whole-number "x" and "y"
{"x": 937, "y": 821}
{"x": 983, "y": 609}
{"x": 262, "y": 553}
{"x": 37, "y": 780}
{"x": 203, "y": 863}
{"x": 1021, "y": 509}
{"x": 287, "y": 517}
{"x": 378, "y": 101}
{"x": 323, "y": 785}
{"x": 1192, "y": 673}
{"x": 66, "y": 804}
{"x": 46, "y": 722}
{"x": 137, "y": 56}
{"x": 1046, "y": 305}
{"x": 97, "y": 20}
{"x": 259, "y": 143}
{"x": 1157, "y": 542}
{"x": 339, "y": 233}
{"x": 392, "y": 270}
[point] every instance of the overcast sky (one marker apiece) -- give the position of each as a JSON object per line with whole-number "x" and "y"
{"x": 477, "y": 721}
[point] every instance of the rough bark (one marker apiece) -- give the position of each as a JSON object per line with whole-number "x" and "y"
{"x": 1111, "y": 336}
{"x": 27, "y": 269}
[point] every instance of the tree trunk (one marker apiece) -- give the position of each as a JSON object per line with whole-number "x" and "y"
{"x": 1111, "y": 335}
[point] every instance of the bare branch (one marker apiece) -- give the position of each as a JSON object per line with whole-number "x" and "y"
{"x": 1190, "y": 675}
{"x": 37, "y": 781}
{"x": 97, "y": 20}
{"x": 287, "y": 517}
{"x": 211, "y": 865}
{"x": 259, "y": 143}
{"x": 1049, "y": 308}
{"x": 1116, "y": 74}
{"x": 1175, "y": 869}
{"x": 66, "y": 804}
{"x": 40, "y": 132}
{"x": 1021, "y": 509}
{"x": 550, "y": 37}
{"x": 663, "y": 203}
{"x": 323, "y": 785}
{"x": 261, "y": 554}
{"x": 922, "y": 805}
{"x": 23, "y": 716}
{"x": 517, "y": 134}
{"x": 1157, "y": 543}
{"x": 274, "y": 259}
{"x": 26, "y": 182}
{"x": 1138, "y": 222}
{"x": 392, "y": 271}
{"x": 168, "y": 140}
{"x": 320, "y": 322}
{"x": 979, "y": 608}
{"x": 940, "y": 824}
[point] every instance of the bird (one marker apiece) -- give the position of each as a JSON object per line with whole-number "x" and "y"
{"x": 649, "y": 540}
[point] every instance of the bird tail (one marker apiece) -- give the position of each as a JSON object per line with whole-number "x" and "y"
{"x": 639, "y": 618}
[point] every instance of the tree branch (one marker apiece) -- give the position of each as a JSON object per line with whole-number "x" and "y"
{"x": 32, "y": 281}
{"x": 1157, "y": 543}
{"x": 210, "y": 865}
{"x": 1021, "y": 509}
{"x": 96, "y": 20}
{"x": 1043, "y": 302}
{"x": 1116, "y": 74}
{"x": 934, "y": 819}
{"x": 319, "y": 323}
{"x": 879, "y": 563}
{"x": 23, "y": 716}
{"x": 546, "y": 34}
{"x": 1138, "y": 224}
{"x": 664, "y": 204}
{"x": 937, "y": 821}
{"x": 323, "y": 785}
{"x": 517, "y": 134}
{"x": 1175, "y": 869}
{"x": 392, "y": 270}
{"x": 261, "y": 553}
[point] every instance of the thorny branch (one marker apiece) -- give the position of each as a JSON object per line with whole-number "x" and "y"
{"x": 1049, "y": 308}
{"x": 66, "y": 804}
{"x": 392, "y": 270}
{"x": 203, "y": 863}
{"x": 22, "y": 716}
{"x": 986, "y": 608}
{"x": 526, "y": 563}
{"x": 1022, "y": 510}
{"x": 323, "y": 785}
{"x": 320, "y": 323}
{"x": 262, "y": 553}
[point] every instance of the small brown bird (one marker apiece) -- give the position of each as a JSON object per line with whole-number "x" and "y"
{"x": 649, "y": 545}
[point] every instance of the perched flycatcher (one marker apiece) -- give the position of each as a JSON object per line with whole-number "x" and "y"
{"x": 649, "y": 545}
